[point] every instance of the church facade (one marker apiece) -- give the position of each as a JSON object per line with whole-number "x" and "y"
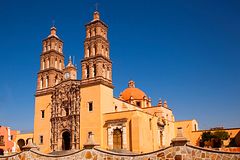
{"x": 68, "y": 110}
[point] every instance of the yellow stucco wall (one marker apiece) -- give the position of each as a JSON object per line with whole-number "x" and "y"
{"x": 167, "y": 115}
{"x": 24, "y": 136}
{"x": 188, "y": 127}
{"x": 141, "y": 130}
{"x": 42, "y": 126}
{"x": 91, "y": 121}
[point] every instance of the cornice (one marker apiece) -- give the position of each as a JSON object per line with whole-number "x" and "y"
{"x": 96, "y": 57}
{"x": 95, "y": 22}
{"x": 95, "y": 38}
{"x": 45, "y": 39}
{"x": 94, "y": 81}
{"x": 52, "y": 51}
{"x": 44, "y": 91}
{"x": 50, "y": 69}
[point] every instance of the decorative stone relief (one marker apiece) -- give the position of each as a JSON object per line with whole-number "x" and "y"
{"x": 65, "y": 114}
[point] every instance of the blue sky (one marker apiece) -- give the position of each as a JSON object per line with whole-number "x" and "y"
{"x": 186, "y": 52}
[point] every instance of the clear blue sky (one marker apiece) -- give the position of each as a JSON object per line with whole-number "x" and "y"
{"x": 187, "y": 52}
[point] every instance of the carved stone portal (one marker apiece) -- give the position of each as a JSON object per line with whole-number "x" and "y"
{"x": 117, "y": 134}
{"x": 65, "y": 116}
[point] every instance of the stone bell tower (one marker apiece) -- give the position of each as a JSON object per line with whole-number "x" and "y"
{"x": 52, "y": 62}
{"x": 96, "y": 65}
{"x": 49, "y": 75}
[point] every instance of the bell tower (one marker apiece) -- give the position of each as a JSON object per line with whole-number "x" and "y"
{"x": 51, "y": 63}
{"x": 96, "y": 64}
{"x": 96, "y": 82}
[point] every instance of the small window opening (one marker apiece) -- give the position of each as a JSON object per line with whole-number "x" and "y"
{"x": 90, "y": 106}
{"x": 138, "y": 104}
{"x": 41, "y": 139}
{"x": 42, "y": 113}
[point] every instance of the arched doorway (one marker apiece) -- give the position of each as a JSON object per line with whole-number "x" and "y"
{"x": 117, "y": 139}
{"x": 21, "y": 143}
{"x": 66, "y": 140}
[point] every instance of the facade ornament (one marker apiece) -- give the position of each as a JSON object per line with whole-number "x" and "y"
{"x": 65, "y": 114}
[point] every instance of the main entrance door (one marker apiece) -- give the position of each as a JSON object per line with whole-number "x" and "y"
{"x": 66, "y": 138}
{"x": 117, "y": 139}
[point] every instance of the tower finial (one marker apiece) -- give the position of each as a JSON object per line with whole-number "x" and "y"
{"x": 96, "y": 15}
{"x": 96, "y": 6}
{"x": 53, "y": 29}
{"x": 131, "y": 84}
{"x": 53, "y": 22}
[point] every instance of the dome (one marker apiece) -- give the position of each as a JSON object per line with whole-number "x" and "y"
{"x": 133, "y": 92}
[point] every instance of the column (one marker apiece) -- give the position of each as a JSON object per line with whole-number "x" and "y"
{"x": 110, "y": 138}
{"x": 91, "y": 70}
{"x": 124, "y": 137}
{"x": 83, "y": 71}
{"x": 73, "y": 133}
{"x": 99, "y": 69}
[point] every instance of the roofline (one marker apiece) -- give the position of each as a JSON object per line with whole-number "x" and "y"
{"x": 217, "y": 129}
{"x": 127, "y": 102}
{"x": 158, "y": 106}
{"x": 131, "y": 111}
{"x": 186, "y": 120}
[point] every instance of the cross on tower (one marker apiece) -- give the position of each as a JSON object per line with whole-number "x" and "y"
{"x": 96, "y": 6}
{"x": 53, "y": 23}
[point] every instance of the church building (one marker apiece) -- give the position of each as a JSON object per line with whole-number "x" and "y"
{"x": 68, "y": 110}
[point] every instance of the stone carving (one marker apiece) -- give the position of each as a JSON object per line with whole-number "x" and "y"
{"x": 65, "y": 114}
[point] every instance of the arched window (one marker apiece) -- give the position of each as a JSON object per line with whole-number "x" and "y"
{"x": 102, "y": 50}
{"x": 55, "y": 63}
{"x": 93, "y": 32}
{"x": 94, "y": 50}
{"x": 107, "y": 55}
{"x": 108, "y": 74}
{"x": 87, "y": 72}
{"x": 60, "y": 65}
{"x": 41, "y": 83}
{"x": 88, "y": 33}
{"x": 60, "y": 48}
{"x": 44, "y": 47}
{"x": 55, "y": 47}
{"x": 94, "y": 70}
{"x": 47, "y": 63}
{"x": 117, "y": 139}
{"x": 43, "y": 64}
{"x": 56, "y": 80}
{"x": 103, "y": 71}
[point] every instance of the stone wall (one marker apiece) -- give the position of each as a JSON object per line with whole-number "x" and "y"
{"x": 186, "y": 152}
